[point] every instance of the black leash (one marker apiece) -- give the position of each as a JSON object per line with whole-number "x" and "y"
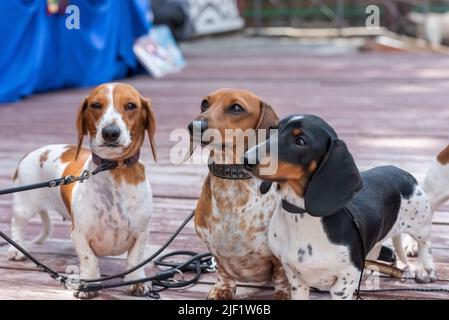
{"x": 198, "y": 263}
{"x": 63, "y": 181}
{"x": 165, "y": 279}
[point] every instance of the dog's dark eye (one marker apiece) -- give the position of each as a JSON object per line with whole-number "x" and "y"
{"x": 95, "y": 105}
{"x": 236, "y": 108}
{"x": 130, "y": 106}
{"x": 300, "y": 142}
{"x": 204, "y": 105}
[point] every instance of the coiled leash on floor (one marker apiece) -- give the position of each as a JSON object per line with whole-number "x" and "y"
{"x": 165, "y": 279}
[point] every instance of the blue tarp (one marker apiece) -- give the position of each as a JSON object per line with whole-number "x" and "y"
{"x": 38, "y": 53}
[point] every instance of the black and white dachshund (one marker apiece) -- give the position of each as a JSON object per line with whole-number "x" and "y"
{"x": 331, "y": 217}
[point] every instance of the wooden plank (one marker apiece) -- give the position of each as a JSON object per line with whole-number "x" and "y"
{"x": 390, "y": 109}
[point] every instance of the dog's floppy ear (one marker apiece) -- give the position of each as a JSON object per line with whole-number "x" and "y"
{"x": 150, "y": 124}
{"x": 267, "y": 118}
{"x": 334, "y": 183}
{"x": 81, "y": 126}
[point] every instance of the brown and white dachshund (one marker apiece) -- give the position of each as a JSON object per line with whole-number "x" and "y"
{"x": 436, "y": 185}
{"x": 110, "y": 213}
{"x": 232, "y": 217}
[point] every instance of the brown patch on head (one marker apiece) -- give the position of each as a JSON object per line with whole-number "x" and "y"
{"x": 134, "y": 175}
{"x": 297, "y": 132}
{"x": 256, "y": 114}
{"x": 313, "y": 166}
{"x": 287, "y": 171}
{"x": 293, "y": 175}
{"x": 43, "y": 157}
{"x": 443, "y": 156}
{"x": 74, "y": 167}
{"x": 203, "y": 209}
{"x": 138, "y": 120}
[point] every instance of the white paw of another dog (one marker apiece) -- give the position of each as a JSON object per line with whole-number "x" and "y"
{"x": 15, "y": 255}
{"x": 410, "y": 246}
{"x": 138, "y": 290}
{"x": 407, "y": 273}
{"x": 423, "y": 275}
{"x": 86, "y": 295}
{"x": 368, "y": 275}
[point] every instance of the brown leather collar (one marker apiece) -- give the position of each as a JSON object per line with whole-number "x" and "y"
{"x": 228, "y": 171}
{"x": 113, "y": 164}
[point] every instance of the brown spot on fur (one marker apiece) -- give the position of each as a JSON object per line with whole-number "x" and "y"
{"x": 43, "y": 157}
{"x": 230, "y": 194}
{"x": 69, "y": 154}
{"x": 204, "y": 206}
{"x": 312, "y": 166}
{"x": 242, "y": 225}
{"x": 443, "y": 156}
{"x": 297, "y": 132}
{"x": 73, "y": 168}
{"x": 280, "y": 280}
{"x": 131, "y": 175}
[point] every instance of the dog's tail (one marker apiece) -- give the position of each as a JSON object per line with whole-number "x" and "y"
{"x": 46, "y": 225}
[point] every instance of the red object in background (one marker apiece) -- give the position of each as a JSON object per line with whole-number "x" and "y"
{"x": 241, "y": 4}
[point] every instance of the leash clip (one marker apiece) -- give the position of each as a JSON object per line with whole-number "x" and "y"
{"x": 86, "y": 174}
{"x": 174, "y": 280}
{"x": 72, "y": 285}
{"x": 212, "y": 265}
{"x": 67, "y": 283}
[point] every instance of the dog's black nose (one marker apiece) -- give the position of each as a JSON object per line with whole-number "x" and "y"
{"x": 110, "y": 133}
{"x": 248, "y": 163}
{"x": 202, "y": 125}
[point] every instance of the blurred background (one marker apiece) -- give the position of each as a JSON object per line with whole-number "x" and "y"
{"x": 52, "y": 44}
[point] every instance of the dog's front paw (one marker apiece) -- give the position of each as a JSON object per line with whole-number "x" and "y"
{"x": 407, "y": 273}
{"x": 138, "y": 290}
{"x": 86, "y": 295}
{"x": 15, "y": 255}
{"x": 221, "y": 293}
{"x": 425, "y": 275}
{"x": 410, "y": 246}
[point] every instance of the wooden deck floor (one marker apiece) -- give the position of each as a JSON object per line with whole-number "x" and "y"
{"x": 390, "y": 109}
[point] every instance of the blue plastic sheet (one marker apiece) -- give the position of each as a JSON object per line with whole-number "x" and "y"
{"x": 38, "y": 53}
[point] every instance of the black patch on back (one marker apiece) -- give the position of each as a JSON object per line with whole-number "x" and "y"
{"x": 375, "y": 208}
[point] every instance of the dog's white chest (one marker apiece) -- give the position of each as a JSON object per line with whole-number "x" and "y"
{"x": 302, "y": 245}
{"x": 239, "y": 234}
{"x": 112, "y": 215}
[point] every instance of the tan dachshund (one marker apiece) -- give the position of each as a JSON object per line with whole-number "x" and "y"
{"x": 232, "y": 216}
